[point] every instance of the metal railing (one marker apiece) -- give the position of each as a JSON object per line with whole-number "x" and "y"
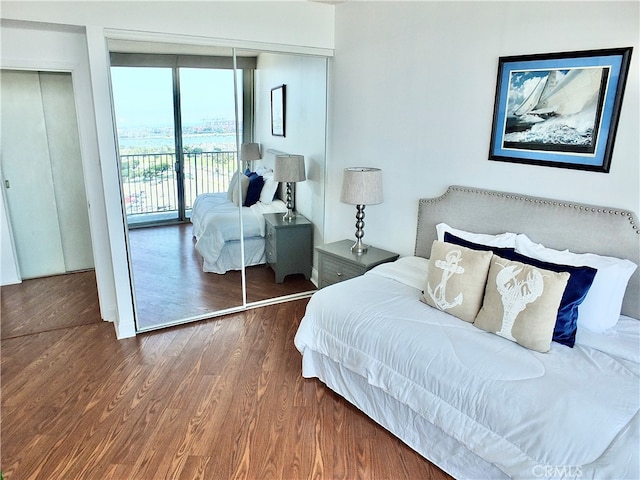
{"x": 149, "y": 179}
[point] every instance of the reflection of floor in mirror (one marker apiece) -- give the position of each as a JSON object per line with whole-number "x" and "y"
{"x": 170, "y": 284}
{"x": 50, "y": 303}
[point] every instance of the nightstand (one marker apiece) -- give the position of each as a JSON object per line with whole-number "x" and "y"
{"x": 336, "y": 263}
{"x": 289, "y": 245}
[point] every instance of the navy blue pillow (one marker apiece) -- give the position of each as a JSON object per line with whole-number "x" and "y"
{"x": 256, "y": 182}
{"x": 451, "y": 238}
{"x": 579, "y": 283}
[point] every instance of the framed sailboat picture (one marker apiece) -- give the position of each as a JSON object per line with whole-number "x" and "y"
{"x": 559, "y": 109}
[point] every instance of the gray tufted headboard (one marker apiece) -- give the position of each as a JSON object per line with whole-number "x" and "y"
{"x": 556, "y": 224}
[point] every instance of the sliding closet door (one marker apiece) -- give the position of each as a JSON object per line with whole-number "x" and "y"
{"x": 305, "y": 105}
{"x": 189, "y": 107}
{"x": 42, "y": 174}
{"x": 220, "y": 100}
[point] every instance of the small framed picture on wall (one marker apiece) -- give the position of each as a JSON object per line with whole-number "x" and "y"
{"x": 278, "y": 110}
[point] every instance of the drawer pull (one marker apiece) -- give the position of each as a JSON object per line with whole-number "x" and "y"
{"x": 339, "y": 274}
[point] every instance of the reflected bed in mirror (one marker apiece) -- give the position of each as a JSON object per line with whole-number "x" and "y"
{"x": 214, "y": 217}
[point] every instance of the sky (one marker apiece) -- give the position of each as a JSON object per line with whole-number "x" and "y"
{"x": 143, "y": 96}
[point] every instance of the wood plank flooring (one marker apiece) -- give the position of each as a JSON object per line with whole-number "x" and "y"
{"x": 216, "y": 399}
{"x": 49, "y": 303}
{"x": 170, "y": 285}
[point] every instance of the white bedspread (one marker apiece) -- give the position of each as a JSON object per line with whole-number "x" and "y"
{"x": 216, "y": 221}
{"x": 564, "y": 413}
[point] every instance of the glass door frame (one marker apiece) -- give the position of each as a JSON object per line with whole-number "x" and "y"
{"x": 178, "y": 166}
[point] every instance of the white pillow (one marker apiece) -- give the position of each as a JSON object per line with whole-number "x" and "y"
{"x": 268, "y": 189}
{"x": 600, "y": 309}
{"x": 264, "y": 171}
{"x": 504, "y": 240}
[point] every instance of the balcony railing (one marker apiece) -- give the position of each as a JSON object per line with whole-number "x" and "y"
{"x": 149, "y": 180}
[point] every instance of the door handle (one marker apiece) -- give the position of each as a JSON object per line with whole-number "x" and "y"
{"x": 7, "y": 184}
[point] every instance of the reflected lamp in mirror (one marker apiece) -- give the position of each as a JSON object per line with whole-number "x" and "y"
{"x": 249, "y": 152}
{"x": 289, "y": 169}
{"x": 361, "y": 186}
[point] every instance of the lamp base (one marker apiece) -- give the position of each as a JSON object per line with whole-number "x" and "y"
{"x": 290, "y": 216}
{"x": 359, "y": 248}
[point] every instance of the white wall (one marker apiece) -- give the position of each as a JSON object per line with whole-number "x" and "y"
{"x": 305, "y": 78}
{"x": 273, "y": 24}
{"x": 413, "y": 91}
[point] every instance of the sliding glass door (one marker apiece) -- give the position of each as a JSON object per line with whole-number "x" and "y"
{"x": 145, "y": 113}
{"x": 176, "y": 135}
{"x": 208, "y": 127}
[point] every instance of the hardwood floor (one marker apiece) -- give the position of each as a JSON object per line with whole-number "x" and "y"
{"x": 170, "y": 284}
{"x": 216, "y": 399}
{"x": 49, "y": 303}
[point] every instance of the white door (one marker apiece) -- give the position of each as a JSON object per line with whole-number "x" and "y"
{"x": 42, "y": 173}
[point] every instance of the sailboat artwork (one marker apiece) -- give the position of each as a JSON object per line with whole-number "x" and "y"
{"x": 555, "y": 109}
{"x": 559, "y": 109}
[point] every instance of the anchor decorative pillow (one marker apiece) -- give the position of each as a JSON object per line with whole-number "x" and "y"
{"x": 521, "y": 303}
{"x": 456, "y": 279}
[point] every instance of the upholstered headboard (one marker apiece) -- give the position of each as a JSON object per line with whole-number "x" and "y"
{"x": 556, "y": 224}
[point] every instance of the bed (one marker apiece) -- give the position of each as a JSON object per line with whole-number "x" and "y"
{"x": 475, "y": 401}
{"x": 215, "y": 219}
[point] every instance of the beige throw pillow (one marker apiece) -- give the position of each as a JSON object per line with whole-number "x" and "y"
{"x": 521, "y": 303}
{"x": 456, "y": 279}
{"x": 233, "y": 184}
{"x": 238, "y": 199}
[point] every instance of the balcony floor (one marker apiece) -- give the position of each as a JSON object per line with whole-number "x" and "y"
{"x": 153, "y": 218}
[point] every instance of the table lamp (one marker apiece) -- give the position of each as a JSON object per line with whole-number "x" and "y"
{"x": 289, "y": 169}
{"x": 361, "y": 186}
{"x": 249, "y": 152}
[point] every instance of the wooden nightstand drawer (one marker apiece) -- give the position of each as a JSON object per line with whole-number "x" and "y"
{"x": 334, "y": 271}
{"x": 270, "y": 231}
{"x": 337, "y": 263}
{"x": 270, "y": 251}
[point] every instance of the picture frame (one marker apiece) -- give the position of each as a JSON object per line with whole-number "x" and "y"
{"x": 559, "y": 109}
{"x": 278, "y": 110}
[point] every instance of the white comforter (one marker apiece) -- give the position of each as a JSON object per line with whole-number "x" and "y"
{"x": 567, "y": 413}
{"x": 216, "y": 221}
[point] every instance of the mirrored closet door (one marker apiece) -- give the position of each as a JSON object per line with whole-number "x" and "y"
{"x": 181, "y": 120}
{"x": 296, "y": 86}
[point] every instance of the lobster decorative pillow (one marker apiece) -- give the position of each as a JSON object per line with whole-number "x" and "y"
{"x": 521, "y": 303}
